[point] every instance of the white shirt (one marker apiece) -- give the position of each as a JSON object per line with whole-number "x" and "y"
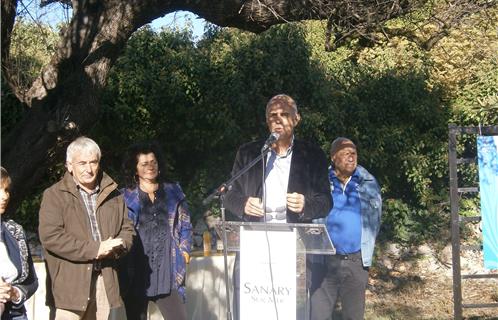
{"x": 276, "y": 181}
{"x": 8, "y": 270}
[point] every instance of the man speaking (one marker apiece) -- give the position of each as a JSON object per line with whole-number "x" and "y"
{"x": 296, "y": 184}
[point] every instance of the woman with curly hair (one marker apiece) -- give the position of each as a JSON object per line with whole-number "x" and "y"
{"x": 155, "y": 268}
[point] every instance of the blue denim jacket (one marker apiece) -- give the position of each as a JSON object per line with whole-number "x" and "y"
{"x": 371, "y": 211}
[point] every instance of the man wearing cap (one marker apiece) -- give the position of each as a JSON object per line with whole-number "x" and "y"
{"x": 353, "y": 224}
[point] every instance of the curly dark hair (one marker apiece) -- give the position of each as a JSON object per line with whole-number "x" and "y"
{"x": 129, "y": 166}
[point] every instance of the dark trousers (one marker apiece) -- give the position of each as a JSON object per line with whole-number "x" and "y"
{"x": 171, "y": 306}
{"x": 344, "y": 279}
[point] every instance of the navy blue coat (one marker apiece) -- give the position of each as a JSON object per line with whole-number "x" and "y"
{"x": 19, "y": 254}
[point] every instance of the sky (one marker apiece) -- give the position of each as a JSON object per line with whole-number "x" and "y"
{"x": 56, "y": 13}
{"x": 180, "y": 19}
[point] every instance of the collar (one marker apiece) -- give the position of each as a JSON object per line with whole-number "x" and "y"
{"x": 287, "y": 153}
{"x": 332, "y": 175}
{"x": 92, "y": 192}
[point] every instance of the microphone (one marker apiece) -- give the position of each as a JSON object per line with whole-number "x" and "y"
{"x": 271, "y": 140}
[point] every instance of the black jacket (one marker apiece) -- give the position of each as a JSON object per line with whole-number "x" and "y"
{"x": 308, "y": 176}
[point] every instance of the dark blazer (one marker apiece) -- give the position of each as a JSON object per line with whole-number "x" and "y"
{"x": 19, "y": 254}
{"x": 308, "y": 176}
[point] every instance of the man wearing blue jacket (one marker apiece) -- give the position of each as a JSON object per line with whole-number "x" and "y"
{"x": 353, "y": 224}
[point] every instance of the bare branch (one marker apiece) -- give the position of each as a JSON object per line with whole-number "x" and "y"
{"x": 44, "y": 3}
{"x": 454, "y": 16}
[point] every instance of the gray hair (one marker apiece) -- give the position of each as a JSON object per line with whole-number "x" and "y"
{"x": 279, "y": 98}
{"x": 82, "y": 144}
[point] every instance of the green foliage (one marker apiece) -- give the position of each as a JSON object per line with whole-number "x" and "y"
{"x": 33, "y": 45}
{"x": 201, "y": 100}
{"x": 398, "y": 223}
{"x": 12, "y": 110}
{"x": 411, "y": 225}
{"x": 31, "y": 49}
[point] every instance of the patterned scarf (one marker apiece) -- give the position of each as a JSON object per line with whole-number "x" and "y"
{"x": 18, "y": 233}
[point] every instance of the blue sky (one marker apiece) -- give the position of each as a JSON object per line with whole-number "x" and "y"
{"x": 180, "y": 19}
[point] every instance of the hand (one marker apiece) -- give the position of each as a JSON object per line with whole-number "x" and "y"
{"x": 7, "y": 292}
{"x": 295, "y": 202}
{"x": 254, "y": 207}
{"x": 110, "y": 246}
{"x": 4, "y": 291}
{"x": 186, "y": 256}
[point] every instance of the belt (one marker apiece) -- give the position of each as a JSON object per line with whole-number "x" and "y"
{"x": 350, "y": 256}
{"x": 97, "y": 267}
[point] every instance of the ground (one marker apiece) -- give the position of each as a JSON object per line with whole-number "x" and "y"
{"x": 417, "y": 283}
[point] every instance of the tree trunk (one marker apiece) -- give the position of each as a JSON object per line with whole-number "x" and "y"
{"x": 64, "y": 101}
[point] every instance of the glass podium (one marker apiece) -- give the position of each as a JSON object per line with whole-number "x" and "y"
{"x": 273, "y": 265}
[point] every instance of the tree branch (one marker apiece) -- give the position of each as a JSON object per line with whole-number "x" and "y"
{"x": 9, "y": 8}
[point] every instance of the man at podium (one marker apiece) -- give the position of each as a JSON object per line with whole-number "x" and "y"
{"x": 295, "y": 183}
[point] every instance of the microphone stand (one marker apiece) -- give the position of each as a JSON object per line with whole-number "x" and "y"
{"x": 220, "y": 193}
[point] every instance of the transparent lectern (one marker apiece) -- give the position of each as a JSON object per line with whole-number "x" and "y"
{"x": 273, "y": 266}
